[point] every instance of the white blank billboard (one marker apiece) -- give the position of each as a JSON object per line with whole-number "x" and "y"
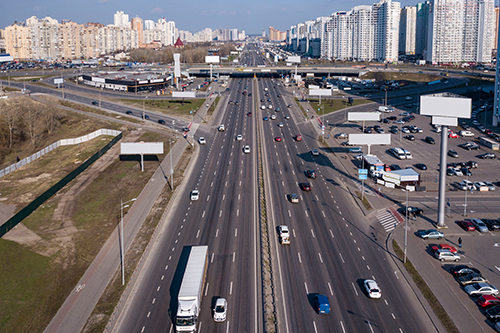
{"x": 363, "y": 116}
{"x": 369, "y": 139}
{"x": 295, "y": 59}
{"x": 320, "y": 92}
{"x": 177, "y": 64}
{"x": 212, "y": 59}
{"x": 445, "y": 105}
{"x": 135, "y": 148}
{"x": 184, "y": 94}
{"x": 58, "y": 81}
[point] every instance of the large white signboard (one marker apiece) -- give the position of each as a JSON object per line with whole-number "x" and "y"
{"x": 212, "y": 59}
{"x": 135, "y": 148}
{"x": 58, "y": 81}
{"x": 369, "y": 139}
{"x": 320, "y": 92}
{"x": 295, "y": 59}
{"x": 363, "y": 116}
{"x": 177, "y": 65}
{"x": 445, "y": 105}
{"x": 184, "y": 94}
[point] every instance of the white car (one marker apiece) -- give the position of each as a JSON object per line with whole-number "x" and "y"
{"x": 466, "y": 133}
{"x": 458, "y": 172}
{"x": 315, "y": 152}
{"x": 490, "y": 186}
{"x": 480, "y": 186}
{"x": 222, "y": 128}
{"x": 408, "y": 98}
{"x": 273, "y": 116}
{"x": 239, "y": 137}
{"x": 246, "y": 149}
{"x": 270, "y": 107}
{"x": 195, "y": 195}
{"x": 372, "y": 289}
{"x": 280, "y": 125}
{"x": 481, "y": 288}
{"x": 467, "y": 184}
{"x": 443, "y": 255}
{"x": 202, "y": 141}
{"x": 220, "y": 310}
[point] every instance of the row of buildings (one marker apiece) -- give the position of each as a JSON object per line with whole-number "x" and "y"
{"x": 438, "y": 31}
{"x": 48, "y": 39}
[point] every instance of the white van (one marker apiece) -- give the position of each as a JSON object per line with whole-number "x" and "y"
{"x": 408, "y": 155}
{"x": 398, "y": 153}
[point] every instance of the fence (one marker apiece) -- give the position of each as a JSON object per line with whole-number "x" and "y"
{"x": 32, "y": 206}
{"x": 63, "y": 142}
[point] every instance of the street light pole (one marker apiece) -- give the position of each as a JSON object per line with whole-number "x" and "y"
{"x": 122, "y": 257}
{"x": 143, "y": 111}
{"x": 171, "y": 170}
{"x": 406, "y": 224}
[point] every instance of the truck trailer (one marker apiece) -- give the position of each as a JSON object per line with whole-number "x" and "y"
{"x": 189, "y": 299}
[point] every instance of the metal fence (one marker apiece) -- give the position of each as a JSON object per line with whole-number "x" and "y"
{"x": 63, "y": 142}
{"x": 32, "y": 206}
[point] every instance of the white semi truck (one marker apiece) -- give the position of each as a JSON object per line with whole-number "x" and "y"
{"x": 189, "y": 299}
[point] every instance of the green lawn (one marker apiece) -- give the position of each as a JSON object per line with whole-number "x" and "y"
{"x": 331, "y": 105}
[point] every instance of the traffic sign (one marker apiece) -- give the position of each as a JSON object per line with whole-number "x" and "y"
{"x": 363, "y": 171}
{"x": 363, "y": 176}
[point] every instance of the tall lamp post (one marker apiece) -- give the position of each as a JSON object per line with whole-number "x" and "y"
{"x": 143, "y": 110}
{"x": 171, "y": 169}
{"x": 406, "y": 224}
{"x": 122, "y": 256}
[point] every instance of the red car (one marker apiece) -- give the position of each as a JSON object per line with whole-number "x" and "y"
{"x": 467, "y": 225}
{"x": 443, "y": 247}
{"x": 278, "y": 138}
{"x": 452, "y": 135}
{"x": 488, "y": 132}
{"x": 487, "y": 300}
{"x": 305, "y": 187}
{"x": 298, "y": 137}
{"x": 249, "y": 114}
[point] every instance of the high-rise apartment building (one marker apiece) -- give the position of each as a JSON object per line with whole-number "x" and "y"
{"x": 276, "y": 35}
{"x": 386, "y": 17}
{"x": 460, "y": 30}
{"x": 363, "y": 31}
{"x": 149, "y": 24}
{"x": 18, "y": 41}
{"x": 121, "y": 20}
{"x": 70, "y": 39}
{"x": 44, "y": 38}
{"x": 422, "y": 28}
{"x": 137, "y": 25}
{"x": 407, "y": 30}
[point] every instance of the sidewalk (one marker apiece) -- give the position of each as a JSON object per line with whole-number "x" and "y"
{"x": 73, "y": 314}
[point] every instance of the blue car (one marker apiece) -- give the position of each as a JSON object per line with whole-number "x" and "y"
{"x": 266, "y": 118}
{"x": 322, "y": 304}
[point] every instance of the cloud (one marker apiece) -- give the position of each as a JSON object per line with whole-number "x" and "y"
{"x": 156, "y": 10}
{"x": 37, "y": 8}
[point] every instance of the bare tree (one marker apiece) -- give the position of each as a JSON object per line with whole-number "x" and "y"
{"x": 10, "y": 114}
{"x": 50, "y": 118}
{"x": 31, "y": 123}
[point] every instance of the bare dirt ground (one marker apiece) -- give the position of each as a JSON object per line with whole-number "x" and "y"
{"x": 61, "y": 237}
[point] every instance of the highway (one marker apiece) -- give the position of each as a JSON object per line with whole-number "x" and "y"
{"x": 225, "y": 218}
{"x": 331, "y": 249}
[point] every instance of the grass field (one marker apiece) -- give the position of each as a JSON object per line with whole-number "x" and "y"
{"x": 331, "y": 105}
{"x": 174, "y": 107}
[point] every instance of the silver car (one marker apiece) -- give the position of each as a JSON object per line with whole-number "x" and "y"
{"x": 481, "y": 288}
{"x": 480, "y": 226}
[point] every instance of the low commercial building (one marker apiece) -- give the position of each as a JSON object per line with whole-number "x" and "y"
{"x": 127, "y": 81}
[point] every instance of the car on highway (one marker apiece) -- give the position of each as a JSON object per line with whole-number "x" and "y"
{"x": 480, "y": 226}
{"x": 298, "y": 137}
{"x": 95, "y": 103}
{"x": 467, "y": 225}
{"x": 239, "y": 137}
{"x": 287, "y": 117}
{"x": 195, "y": 195}
{"x": 452, "y": 153}
{"x": 341, "y": 136}
{"x": 421, "y": 166}
{"x": 161, "y": 122}
{"x": 284, "y": 234}
{"x": 311, "y": 174}
{"x": 277, "y": 139}
{"x": 220, "y": 310}
{"x": 273, "y": 117}
{"x": 355, "y": 150}
{"x": 408, "y": 98}
{"x": 487, "y": 156}
{"x": 372, "y": 289}
{"x": 249, "y": 114}
{"x": 445, "y": 255}
{"x": 321, "y": 304}
{"x": 280, "y": 125}
{"x": 478, "y": 289}
{"x": 129, "y": 112}
{"x": 471, "y": 278}
{"x": 430, "y": 233}
{"x": 265, "y": 118}
{"x": 294, "y": 198}
{"x": 430, "y": 140}
{"x": 315, "y": 152}
{"x": 246, "y": 149}
{"x": 487, "y": 301}
{"x": 413, "y": 210}
{"x": 289, "y": 105}
{"x": 202, "y": 140}
{"x": 461, "y": 270}
{"x": 306, "y": 187}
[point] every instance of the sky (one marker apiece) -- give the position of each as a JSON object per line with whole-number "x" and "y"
{"x": 253, "y": 16}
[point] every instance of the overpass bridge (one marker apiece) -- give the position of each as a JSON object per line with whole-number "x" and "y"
{"x": 276, "y": 72}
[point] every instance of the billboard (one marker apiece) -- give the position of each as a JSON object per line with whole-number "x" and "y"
{"x": 363, "y": 116}
{"x": 177, "y": 65}
{"x": 135, "y": 148}
{"x": 295, "y": 59}
{"x": 320, "y": 92}
{"x": 369, "y": 139}
{"x": 445, "y": 105}
{"x": 58, "y": 81}
{"x": 184, "y": 94}
{"x": 212, "y": 59}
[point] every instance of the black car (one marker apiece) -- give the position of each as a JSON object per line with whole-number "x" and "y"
{"x": 368, "y": 130}
{"x": 421, "y": 166}
{"x": 413, "y": 210}
{"x": 385, "y": 120}
{"x": 492, "y": 225}
{"x": 466, "y": 171}
{"x": 95, "y": 103}
{"x": 471, "y": 164}
{"x": 392, "y": 118}
{"x": 410, "y": 137}
{"x": 311, "y": 174}
{"x": 487, "y": 156}
{"x": 185, "y": 129}
{"x": 461, "y": 270}
{"x": 161, "y": 121}
{"x": 129, "y": 112}
{"x": 493, "y": 313}
{"x": 394, "y": 130}
{"x": 394, "y": 167}
{"x": 430, "y": 139}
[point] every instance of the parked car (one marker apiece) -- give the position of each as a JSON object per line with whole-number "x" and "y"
{"x": 480, "y": 226}
{"x": 487, "y": 156}
{"x": 410, "y": 137}
{"x": 490, "y": 186}
{"x": 466, "y": 171}
{"x": 478, "y": 289}
{"x": 493, "y": 313}
{"x": 461, "y": 270}
{"x": 481, "y": 186}
{"x": 467, "y": 225}
{"x": 492, "y": 225}
{"x": 430, "y": 233}
{"x": 452, "y": 135}
{"x": 430, "y": 139}
{"x": 471, "y": 164}
{"x": 421, "y": 166}
{"x": 487, "y": 301}
{"x": 443, "y": 246}
{"x": 445, "y": 255}
{"x": 413, "y": 210}
{"x": 471, "y": 278}
{"x": 452, "y": 153}
{"x": 372, "y": 289}
{"x": 470, "y": 146}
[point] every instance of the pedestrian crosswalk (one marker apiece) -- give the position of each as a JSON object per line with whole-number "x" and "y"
{"x": 389, "y": 218}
